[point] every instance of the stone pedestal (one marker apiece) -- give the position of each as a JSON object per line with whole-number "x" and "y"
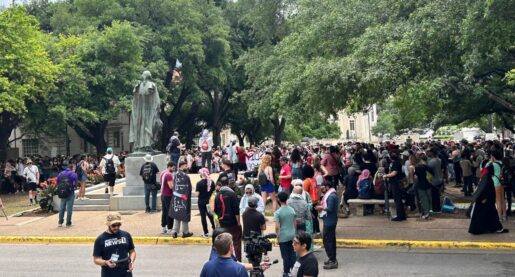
{"x": 133, "y": 182}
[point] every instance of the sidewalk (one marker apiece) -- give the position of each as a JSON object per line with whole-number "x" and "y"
{"x": 351, "y": 232}
{"x": 88, "y": 225}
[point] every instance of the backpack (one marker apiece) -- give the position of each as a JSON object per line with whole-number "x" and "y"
{"x": 147, "y": 173}
{"x": 364, "y": 189}
{"x": 313, "y": 190}
{"x": 262, "y": 179}
{"x": 64, "y": 186}
{"x": 379, "y": 185}
{"x": 205, "y": 145}
{"x": 78, "y": 170}
{"x": 110, "y": 169}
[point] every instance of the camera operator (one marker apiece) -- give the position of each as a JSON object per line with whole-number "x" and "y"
{"x": 253, "y": 220}
{"x": 214, "y": 253}
{"x": 307, "y": 264}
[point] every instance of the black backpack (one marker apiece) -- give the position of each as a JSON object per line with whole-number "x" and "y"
{"x": 147, "y": 173}
{"x": 78, "y": 170}
{"x": 262, "y": 179}
{"x": 64, "y": 188}
{"x": 110, "y": 169}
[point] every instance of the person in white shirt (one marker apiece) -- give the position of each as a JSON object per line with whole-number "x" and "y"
{"x": 205, "y": 145}
{"x": 31, "y": 174}
{"x": 109, "y": 166}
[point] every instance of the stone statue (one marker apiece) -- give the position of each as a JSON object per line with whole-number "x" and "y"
{"x": 145, "y": 124}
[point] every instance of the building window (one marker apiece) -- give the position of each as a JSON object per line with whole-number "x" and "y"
{"x": 30, "y": 147}
{"x": 352, "y": 125}
{"x": 116, "y": 139}
{"x": 372, "y": 115}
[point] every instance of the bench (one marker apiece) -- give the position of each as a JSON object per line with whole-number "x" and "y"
{"x": 359, "y": 204}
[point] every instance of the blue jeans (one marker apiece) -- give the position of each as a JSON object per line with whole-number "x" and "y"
{"x": 174, "y": 157}
{"x": 147, "y": 196}
{"x": 66, "y": 203}
{"x": 288, "y": 255}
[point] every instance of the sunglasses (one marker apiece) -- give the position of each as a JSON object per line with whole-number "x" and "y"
{"x": 116, "y": 225}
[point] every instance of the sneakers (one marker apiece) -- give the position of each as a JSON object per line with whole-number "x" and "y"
{"x": 187, "y": 235}
{"x": 398, "y": 219}
{"x": 174, "y": 235}
{"x": 164, "y": 231}
{"x": 331, "y": 265}
{"x": 107, "y": 190}
{"x": 169, "y": 232}
{"x": 205, "y": 236}
{"x": 503, "y": 231}
{"x": 326, "y": 262}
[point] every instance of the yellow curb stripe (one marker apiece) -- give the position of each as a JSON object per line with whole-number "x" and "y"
{"x": 341, "y": 243}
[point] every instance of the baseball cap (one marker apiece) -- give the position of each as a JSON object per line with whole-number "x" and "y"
{"x": 113, "y": 218}
{"x": 109, "y": 149}
{"x": 253, "y": 201}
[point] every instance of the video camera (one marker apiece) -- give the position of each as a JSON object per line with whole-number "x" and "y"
{"x": 255, "y": 246}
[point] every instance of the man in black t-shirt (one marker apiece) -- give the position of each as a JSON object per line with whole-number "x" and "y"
{"x": 228, "y": 211}
{"x": 307, "y": 264}
{"x": 114, "y": 249}
{"x": 395, "y": 178}
{"x": 148, "y": 173}
{"x": 252, "y": 219}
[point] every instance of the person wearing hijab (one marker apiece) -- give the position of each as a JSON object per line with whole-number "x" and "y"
{"x": 351, "y": 190}
{"x": 363, "y": 184}
{"x": 244, "y": 202}
{"x": 204, "y": 189}
{"x": 483, "y": 213}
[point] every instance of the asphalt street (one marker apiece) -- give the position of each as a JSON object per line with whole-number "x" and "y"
{"x": 76, "y": 260}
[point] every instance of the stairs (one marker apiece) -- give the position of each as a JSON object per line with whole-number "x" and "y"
{"x": 100, "y": 202}
{"x": 96, "y": 202}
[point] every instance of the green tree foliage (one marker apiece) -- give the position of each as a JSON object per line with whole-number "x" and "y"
{"x": 444, "y": 61}
{"x": 27, "y": 74}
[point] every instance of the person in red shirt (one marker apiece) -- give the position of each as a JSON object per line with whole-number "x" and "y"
{"x": 285, "y": 175}
{"x": 242, "y": 159}
{"x": 166, "y": 197}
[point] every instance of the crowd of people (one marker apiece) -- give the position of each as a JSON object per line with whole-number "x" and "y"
{"x": 307, "y": 187}
{"x": 306, "y": 183}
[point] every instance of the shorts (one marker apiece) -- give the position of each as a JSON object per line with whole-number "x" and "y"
{"x": 110, "y": 179}
{"x": 32, "y": 186}
{"x": 83, "y": 178}
{"x": 269, "y": 188}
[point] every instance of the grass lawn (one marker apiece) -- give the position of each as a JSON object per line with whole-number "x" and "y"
{"x": 15, "y": 203}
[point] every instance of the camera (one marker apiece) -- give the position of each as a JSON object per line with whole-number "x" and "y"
{"x": 255, "y": 246}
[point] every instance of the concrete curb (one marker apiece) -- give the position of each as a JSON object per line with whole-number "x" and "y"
{"x": 341, "y": 243}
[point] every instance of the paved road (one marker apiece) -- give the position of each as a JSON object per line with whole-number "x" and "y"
{"x": 76, "y": 260}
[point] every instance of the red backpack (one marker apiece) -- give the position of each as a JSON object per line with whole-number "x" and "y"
{"x": 205, "y": 145}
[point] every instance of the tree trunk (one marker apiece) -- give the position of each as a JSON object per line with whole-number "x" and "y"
{"x": 93, "y": 133}
{"x": 7, "y": 124}
{"x": 279, "y": 124}
{"x": 188, "y": 125}
{"x": 241, "y": 138}
{"x": 169, "y": 121}
{"x": 220, "y": 108}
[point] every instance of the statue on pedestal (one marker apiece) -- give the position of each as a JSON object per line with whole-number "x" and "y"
{"x": 145, "y": 124}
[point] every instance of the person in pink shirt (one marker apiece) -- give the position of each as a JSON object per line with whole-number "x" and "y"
{"x": 166, "y": 196}
{"x": 285, "y": 175}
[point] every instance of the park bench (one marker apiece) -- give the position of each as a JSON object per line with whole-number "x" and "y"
{"x": 359, "y": 204}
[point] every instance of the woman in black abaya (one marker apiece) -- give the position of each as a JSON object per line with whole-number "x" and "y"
{"x": 484, "y": 217}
